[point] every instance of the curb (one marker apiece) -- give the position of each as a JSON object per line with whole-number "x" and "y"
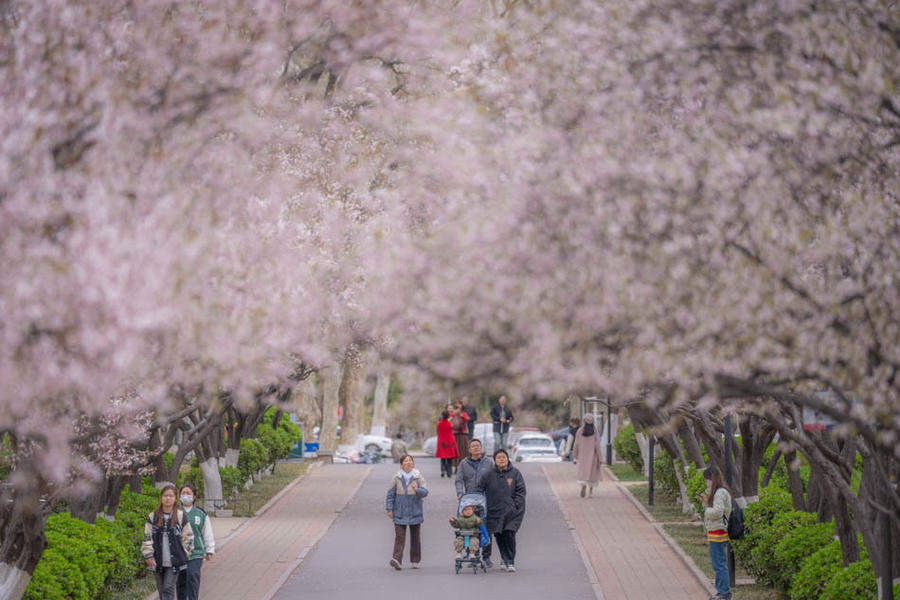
{"x": 699, "y": 575}
{"x": 592, "y": 574}
{"x": 273, "y": 589}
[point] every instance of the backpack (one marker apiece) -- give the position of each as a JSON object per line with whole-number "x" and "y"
{"x": 735, "y": 523}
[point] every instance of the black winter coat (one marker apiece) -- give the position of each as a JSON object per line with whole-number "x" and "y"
{"x": 495, "y": 417}
{"x": 505, "y": 492}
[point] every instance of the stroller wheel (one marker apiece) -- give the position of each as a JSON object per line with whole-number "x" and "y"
{"x": 457, "y": 568}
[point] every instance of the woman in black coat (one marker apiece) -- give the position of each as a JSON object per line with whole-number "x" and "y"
{"x": 504, "y": 487}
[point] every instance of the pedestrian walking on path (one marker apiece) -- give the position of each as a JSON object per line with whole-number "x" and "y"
{"x": 168, "y": 541}
{"x": 398, "y": 448}
{"x": 188, "y": 585}
{"x": 715, "y": 518}
{"x": 504, "y": 488}
{"x": 404, "y": 507}
{"x": 472, "y": 412}
{"x": 502, "y": 417}
{"x": 472, "y": 468}
{"x": 587, "y": 454}
{"x": 446, "y": 445}
{"x": 569, "y": 446}
{"x": 460, "y": 421}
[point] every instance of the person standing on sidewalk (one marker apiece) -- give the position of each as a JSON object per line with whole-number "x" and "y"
{"x": 460, "y": 421}
{"x": 715, "y": 519}
{"x": 404, "y": 507}
{"x": 168, "y": 541}
{"x": 471, "y": 468}
{"x": 587, "y": 454}
{"x": 502, "y": 417}
{"x": 504, "y": 488}
{"x": 398, "y": 448}
{"x": 472, "y": 412}
{"x": 446, "y": 445}
{"x": 574, "y": 424}
{"x": 188, "y": 585}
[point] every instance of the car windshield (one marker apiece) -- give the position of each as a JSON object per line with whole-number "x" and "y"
{"x": 535, "y": 443}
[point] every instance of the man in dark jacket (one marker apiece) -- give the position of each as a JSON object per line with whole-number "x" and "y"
{"x": 504, "y": 488}
{"x": 502, "y": 417}
{"x": 473, "y": 414}
{"x": 472, "y": 468}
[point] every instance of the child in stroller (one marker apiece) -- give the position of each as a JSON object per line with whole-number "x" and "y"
{"x": 469, "y": 531}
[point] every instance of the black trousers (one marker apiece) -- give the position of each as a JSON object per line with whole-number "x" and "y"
{"x": 506, "y": 544}
{"x": 188, "y": 584}
{"x": 447, "y": 467}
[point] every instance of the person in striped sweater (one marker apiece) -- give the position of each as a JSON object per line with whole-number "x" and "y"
{"x": 715, "y": 518}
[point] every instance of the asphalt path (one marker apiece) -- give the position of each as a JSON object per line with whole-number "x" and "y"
{"x": 351, "y": 561}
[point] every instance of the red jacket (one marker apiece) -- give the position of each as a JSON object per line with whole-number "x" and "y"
{"x": 446, "y": 444}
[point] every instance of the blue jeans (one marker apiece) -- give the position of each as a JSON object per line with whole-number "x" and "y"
{"x": 718, "y": 554}
{"x": 500, "y": 440}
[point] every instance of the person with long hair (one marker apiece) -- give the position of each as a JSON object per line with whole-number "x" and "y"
{"x": 446, "y": 449}
{"x": 168, "y": 542}
{"x": 404, "y": 507}
{"x": 587, "y": 454}
{"x": 504, "y": 488}
{"x": 715, "y": 519}
{"x": 188, "y": 585}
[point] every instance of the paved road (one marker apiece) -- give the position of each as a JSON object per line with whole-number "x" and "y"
{"x": 351, "y": 561}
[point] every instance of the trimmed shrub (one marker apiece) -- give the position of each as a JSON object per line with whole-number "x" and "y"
{"x": 763, "y": 564}
{"x": 856, "y": 581}
{"x": 627, "y": 448}
{"x": 696, "y": 485}
{"x": 817, "y": 569}
{"x": 231, "y": 480}
{"x": 664, "y": 475}
{"x": 758, "y": 517}
{"x": 795, "y": 547}
{"x": 252, "y": 457}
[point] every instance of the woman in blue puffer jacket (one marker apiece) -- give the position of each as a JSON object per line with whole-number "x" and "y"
{"x": 404, "y": 507}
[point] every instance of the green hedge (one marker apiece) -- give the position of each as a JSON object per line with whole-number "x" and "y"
{"x": 664, "y": 475}
{"x": 818, "y": 569}
{"x": 86, "y": 561}
{"x": 763, "y": 562}
{"x": 628, "y": 449}
{"x": 757, "y": 519}
{"x": 790, "y": 552}
{"x": 252, "y": 457}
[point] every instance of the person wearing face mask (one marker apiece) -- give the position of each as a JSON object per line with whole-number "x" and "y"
{"x": 167, "y": 543}
{"x": 188, "y": 586}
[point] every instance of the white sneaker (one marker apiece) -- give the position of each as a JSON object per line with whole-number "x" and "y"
{"x": 503, "y": 566}
{"x": 511, "y": 568}
{"x": 414, "y": 565}
{"x": 396, "y": 564}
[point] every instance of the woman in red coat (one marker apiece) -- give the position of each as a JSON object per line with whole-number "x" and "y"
{"x": 446, "y": 445}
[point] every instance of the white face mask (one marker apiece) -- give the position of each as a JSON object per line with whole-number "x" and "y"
{"x": 187, "y": 499}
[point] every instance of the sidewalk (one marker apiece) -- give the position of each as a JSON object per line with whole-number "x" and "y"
{"x": 266, "y": 549}
{"x": 630, "y": 559}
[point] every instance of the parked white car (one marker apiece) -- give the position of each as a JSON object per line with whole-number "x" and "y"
{"x": 429, "y": 446}
{"x": 534, "y": 447}
{"x": 371, "y": 443}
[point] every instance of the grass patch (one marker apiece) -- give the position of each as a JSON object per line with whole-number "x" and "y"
{"x": 249, "y": 501}
{"x": 664, "y": 509}
{"x": 139, "y": 589}
{"x": 625, "y": 472}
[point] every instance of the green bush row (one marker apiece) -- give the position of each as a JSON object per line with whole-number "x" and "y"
{"x": 801, "y": 558}
{"x": 85, "y": 561}
{"x": 628, "y": 449}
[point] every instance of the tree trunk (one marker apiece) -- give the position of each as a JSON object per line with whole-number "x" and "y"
{"x": 331, "y": 385}
{"x": 795, "y": 484}
{"x": 306, "y": 407}
{"x": 22, "y": 541}
{"x": 770, "y": 468}
{"x": 212, "y": 484}
{"x": 644, "y": 444}
{"x": 351, "y": 394}
{"x": 379, "y": 412}
{"x": 691, "y": 444}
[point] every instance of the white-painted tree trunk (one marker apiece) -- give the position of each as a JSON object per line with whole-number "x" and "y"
{"x": 230, "y": 459}
{"x": 212, "y": 484}
{"x": 13, "y": 581}
{"x": 331, "y": 383}
{"x": 379, "y": 413}
{"x": 351, "y": 395}
{"x": 644, "y": 445}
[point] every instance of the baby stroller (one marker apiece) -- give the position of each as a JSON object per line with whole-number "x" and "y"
{"x": 473, "y": 559}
